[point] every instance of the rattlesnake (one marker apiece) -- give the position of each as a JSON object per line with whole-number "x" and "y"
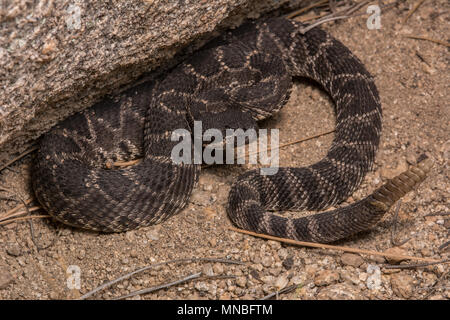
{"x": 235, "y": 80}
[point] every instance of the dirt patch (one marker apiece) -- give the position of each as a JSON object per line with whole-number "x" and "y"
{"x": 413, "y": 80}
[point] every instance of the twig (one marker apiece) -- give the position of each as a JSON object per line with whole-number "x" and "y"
{"x": 319, "y": 22}
{"x": 29, "y": 218}
{"x": 422, "y": 59}
{"x": 30, "y": 222}
{"x": 16, "y": 214}
{"x": 13, "y": 210}
{"x": 218, "y": 276}
{"x": 284, "y": 145}
{"x": 12, "y": 170}
{"x": 440, "y": 213}
{"x": 427, "y": 39}
{"x": 304, "y": 139}
{"x": 328, "y": 246}
{"x": 413, "y": 266}
{"x": 300, "y": 11}
{"x": 23, "y": 154}
{"x": 25, "y": 218}
{"x": 123, "y": 163}
{"x": 195, "y": 276}
{"x": 276, "y": 293}
{"x": 347, "y": 12}
{"x": 343, "y": 14}
{"x": 357, "y": 7}
{"x": 8, "y": 190}
{"x": 418, "y": 4}
{"x": 133, "y": 162}
{"x": 290, "y": 143}
{"x": 128, "y": 275}
{"x": 162, "y": 286}
{"x": 394, "y": 242}
{"x": 315, "y": 18}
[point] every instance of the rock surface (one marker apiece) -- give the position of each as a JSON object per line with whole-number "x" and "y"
{"x": 58, "y": 57}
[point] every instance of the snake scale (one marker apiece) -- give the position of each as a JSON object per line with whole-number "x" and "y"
{"x": 236, "y": 80}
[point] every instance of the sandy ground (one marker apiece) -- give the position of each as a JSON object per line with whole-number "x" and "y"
{"x": 413, "y": 79}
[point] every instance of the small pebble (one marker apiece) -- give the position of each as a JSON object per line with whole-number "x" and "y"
{"x": 218, "y": 268}
{"x": 351, "y": 259}
{"x": 267, "y": 261}
{"x": 153, "y": 234}
{"x": 134, "y": 253}
{"x": 241, "y": 282}
{"x": 326, "y": 277}
{"x": 213, "y": 242}
{"x": 373, "y": 281}
{"x": 201, "y": 286}
{"x": 397, "y": 252}
{"x": 13, "y": 249}
{"x": 208, "y": 270}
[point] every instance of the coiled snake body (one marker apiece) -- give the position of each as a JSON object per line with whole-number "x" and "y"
{"x": 234, "y": 81}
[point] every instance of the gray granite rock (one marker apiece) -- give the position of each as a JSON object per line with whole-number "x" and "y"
{"x": 58, "y": 57}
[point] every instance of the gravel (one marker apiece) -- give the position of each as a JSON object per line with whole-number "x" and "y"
{"x": 413, "y": 102}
